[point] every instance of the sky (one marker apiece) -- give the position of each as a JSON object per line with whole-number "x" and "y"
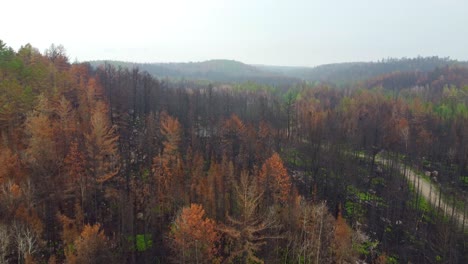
{"x": 274, "y": 32}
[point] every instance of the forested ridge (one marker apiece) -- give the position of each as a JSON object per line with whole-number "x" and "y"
{"x": 110, "y": 164}
{"x": 349, "y": 72}
{"x": 343, "y": 74}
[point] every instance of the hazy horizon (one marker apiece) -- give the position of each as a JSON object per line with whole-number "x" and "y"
{"x": 289, "y": 33}
{"x": 267, "y": 65}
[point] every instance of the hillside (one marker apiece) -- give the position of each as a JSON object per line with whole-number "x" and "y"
{"x": 337, "y": 73}
{"x": 211, "y": 70}
{"x": 348, "y": 72}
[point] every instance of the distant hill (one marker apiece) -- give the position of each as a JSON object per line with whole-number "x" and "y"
{"x": 341, "y": 73}
{"x": 338, "y": 73}
{"x": 212, "y": 70}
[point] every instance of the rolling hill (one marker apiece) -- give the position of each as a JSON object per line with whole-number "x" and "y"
{"x": 235, "y": 71}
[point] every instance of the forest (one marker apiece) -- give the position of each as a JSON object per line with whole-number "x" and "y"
{"x": 230, "y": 71}
{"x": 109, "y": 164}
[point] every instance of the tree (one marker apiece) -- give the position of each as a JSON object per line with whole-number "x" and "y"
{"x": 232, "y": 135}
{"x": 42, "y": 151}
{"x": 289, "y": 104}
{"x": 5, "y": 241}
{"x": 194, "y": 237}
{"x": 9, "y": 165}
{"x": 71, "y": 229}
{"x": 26, "y": 241}
{"x": 91, "y": 246}
{"x": 213, "y": 189}
{"x": 103, "y": 159}
{"x": 342, "y": 242}
{"x": 57, "y": 55}
{"x": 77, "y": 181}
{"x": 274, "y": 180}
{"x": 404, "y": 132}
{"x": 55, "y": 52}
{"x": 101, "y": 142}
{"x": 171, "y": 131}
{"x": 247, "y": 232}
{"x": 312, "y": 233}
{"x": 28, "y": 217}
{"x": 66, "y": 127}
{"x": 197, "y": 175}
{"x": 14, "y": 104}
{"x": 167, "y": 167}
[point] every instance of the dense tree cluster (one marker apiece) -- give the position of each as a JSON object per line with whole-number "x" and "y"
{"x": 349, "y": 72}
{"x": 112, "y": 165}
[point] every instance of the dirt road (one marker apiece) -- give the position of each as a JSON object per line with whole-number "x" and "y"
{"x": 431, "y": 193}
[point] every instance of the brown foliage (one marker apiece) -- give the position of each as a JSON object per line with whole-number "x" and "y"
{"x": 274, "y": 179}
{"x": 9, "y": 165}
{"x": 246, "y": 232}
{"x": 197, "y": 174}
{"x": 312, "y": 235}
{"x": 102, "y": 145}
{"x": 75, "y": 162}
{"x": 31, "y": 218}
{"x": 41, "y": 151}
{"x": 342, "y": 243}
{"x": 66, "y": 127}
{"x": 171, "y": 131}
{"x": 194, "y": 236}
{"x": 70, "y": 230}
{"x": 167, "y": 167}
{"x": 91, "y": 247}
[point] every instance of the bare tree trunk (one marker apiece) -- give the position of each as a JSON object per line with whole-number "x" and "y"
{"x": 319, "y": 240}
{"x": 464, "y": 216}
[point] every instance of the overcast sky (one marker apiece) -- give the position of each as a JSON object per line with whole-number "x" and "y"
{"x": 282, "y": 32}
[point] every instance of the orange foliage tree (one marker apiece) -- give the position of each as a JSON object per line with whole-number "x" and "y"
{"x": 9, "y": 165}
{"x": 91, "y": 247}
{"x": 274, "y": 180}
{"x": 41, "y": 152}
{"x": 171, "y": 131}
{"x": 167, "y": 166}
{"x": 194, "y": 236}
{"x": 102, "y": 145}
{"x": 66, "y": 127}
{"x": 77, "y": 181}
{"x": 342, "y": 243}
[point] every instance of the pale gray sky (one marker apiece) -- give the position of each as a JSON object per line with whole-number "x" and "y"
{"x": 282, "y": 32}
